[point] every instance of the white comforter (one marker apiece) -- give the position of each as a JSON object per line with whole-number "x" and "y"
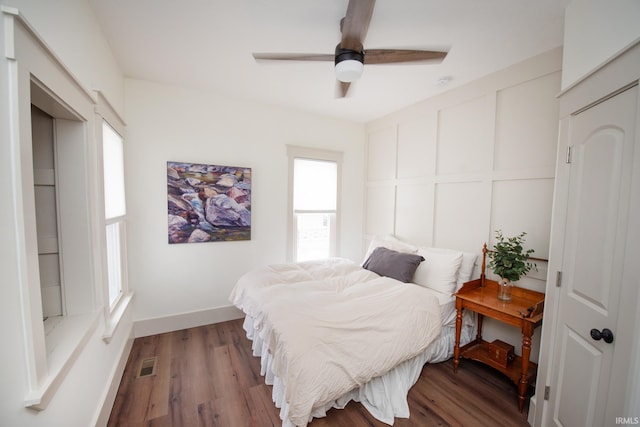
{"x": 334, "y": 326}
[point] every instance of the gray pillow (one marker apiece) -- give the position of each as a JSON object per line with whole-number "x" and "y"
{"x": 397, "y": 265}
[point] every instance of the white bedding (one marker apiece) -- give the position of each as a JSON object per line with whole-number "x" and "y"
{"x": 329, "y": 332}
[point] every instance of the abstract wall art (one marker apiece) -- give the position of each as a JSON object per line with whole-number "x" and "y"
{"x": 208, "y": 203}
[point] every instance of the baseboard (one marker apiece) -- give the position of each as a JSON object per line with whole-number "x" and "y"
{"x": 176, "y": 322}
{"x": 102, "y": 418}
{"x": 531, "y": 419}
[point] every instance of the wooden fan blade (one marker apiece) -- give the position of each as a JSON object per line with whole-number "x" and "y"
{"x": 342, "y": 88}
{"x": 355, "y": 24}
{"x": 294, "y": 56}
{"x": 395, "y": 56}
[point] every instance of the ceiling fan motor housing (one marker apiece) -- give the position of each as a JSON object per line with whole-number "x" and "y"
{"x": 348, "y": 54}
{"x": 349, "y": 64}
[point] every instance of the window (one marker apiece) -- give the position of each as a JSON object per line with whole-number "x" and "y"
{"x": 315, "y": 182}
{"x": 114, "y": 210}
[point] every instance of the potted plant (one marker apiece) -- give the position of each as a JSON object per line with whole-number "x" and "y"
{"x": 509, "y": 260}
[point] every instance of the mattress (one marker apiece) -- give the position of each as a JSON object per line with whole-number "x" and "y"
{"x": 447, "y": 304}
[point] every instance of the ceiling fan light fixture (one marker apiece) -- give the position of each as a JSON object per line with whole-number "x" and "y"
{"x": 349, "y": 64}
{"x": 349, "y": 70}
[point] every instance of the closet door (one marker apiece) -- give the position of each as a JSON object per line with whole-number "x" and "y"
{"x": 596, "y": 267}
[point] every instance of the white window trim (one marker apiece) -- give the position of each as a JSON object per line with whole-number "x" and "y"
{"x": 299, "y": 152}
{"x": 113, "y": 314}
{"x": 37, "y": 76}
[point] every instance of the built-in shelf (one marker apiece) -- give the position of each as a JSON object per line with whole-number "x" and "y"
{"x": 480, "y": 353}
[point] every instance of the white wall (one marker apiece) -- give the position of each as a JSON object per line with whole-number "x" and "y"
{"x": 452, "y": 169}
{"x": 595, "y": 30}
{"x": 172, "y": 124}
{"x": 70, "y": 29}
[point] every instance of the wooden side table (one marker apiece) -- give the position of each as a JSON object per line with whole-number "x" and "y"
{"x": 523, "y": 311}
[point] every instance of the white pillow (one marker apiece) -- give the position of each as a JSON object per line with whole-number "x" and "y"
{"x": 466, "y": 268}
{"x": 439, "y": 270}
{"x": 389, "y": 242}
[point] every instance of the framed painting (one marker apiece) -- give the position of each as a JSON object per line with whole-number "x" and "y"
{"x": 208, "y": 203}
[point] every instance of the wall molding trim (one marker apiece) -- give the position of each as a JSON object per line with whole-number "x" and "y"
{"x": 159, "y": 325}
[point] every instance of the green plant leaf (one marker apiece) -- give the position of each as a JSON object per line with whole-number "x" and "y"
{"x": 508, "y": 258}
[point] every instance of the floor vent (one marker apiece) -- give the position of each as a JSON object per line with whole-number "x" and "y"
{"x": 147, "y": 367}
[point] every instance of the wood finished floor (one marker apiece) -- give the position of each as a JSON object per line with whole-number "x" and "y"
{"x": 207, "y": 376}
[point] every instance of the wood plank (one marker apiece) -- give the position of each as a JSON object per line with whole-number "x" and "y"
{"x": 158, "y": 405}
{"x": 207, "y": 376}
{"x": 132, "y": 399}
{"x": 458, "y": 405}
{"x": 200, "y": 369}
{"x": 182, "y": 409}
{"x": 245, "y": 365}
{"x": 233, "y": 410}
{"x": 263, "y": 407}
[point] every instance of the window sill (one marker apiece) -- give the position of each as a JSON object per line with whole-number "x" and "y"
{"x": 112, "y": 319}
{"x": 66, "y": 336}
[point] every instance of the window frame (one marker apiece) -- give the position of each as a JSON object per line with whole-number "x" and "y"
{"x": 113, "y": 312}
{"x": 308, "y": 153}
{"x": 37, "y": 77}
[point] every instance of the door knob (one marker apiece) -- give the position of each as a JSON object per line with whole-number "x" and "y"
{"x": 606, "y": 335}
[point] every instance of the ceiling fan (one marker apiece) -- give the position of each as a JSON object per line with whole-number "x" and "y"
{"x": 350, "y": 56}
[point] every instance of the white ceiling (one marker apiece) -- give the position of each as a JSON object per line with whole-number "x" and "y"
{"x": 207, "y": 44}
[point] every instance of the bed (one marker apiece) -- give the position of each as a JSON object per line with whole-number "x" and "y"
{"x": 332, "y": 331}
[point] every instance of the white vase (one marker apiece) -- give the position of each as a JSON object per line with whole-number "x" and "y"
{"x": 504, "y": 289}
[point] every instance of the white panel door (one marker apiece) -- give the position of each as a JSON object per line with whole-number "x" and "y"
{"x": 601, "y": 162}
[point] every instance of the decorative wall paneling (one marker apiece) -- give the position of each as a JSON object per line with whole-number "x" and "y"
{"x": 451, "y": 170}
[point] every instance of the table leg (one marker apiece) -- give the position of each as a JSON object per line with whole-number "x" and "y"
{"x": 479, "y": 317}
{"x": 526, "y": 353}
{"x": 456, "y": 347}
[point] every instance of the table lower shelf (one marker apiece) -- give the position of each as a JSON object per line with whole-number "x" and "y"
{"x": 479, "y": 351}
